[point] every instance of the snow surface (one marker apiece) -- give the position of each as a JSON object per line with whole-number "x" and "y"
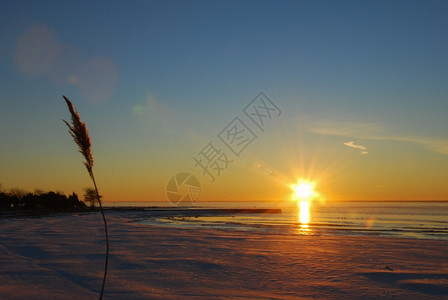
{"x": 62, "y": 257}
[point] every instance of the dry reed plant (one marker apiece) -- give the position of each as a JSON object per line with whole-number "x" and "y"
{"x": 78, "y": 130}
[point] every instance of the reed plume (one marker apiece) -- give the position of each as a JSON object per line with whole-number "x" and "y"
{"x": 78, "y": 130}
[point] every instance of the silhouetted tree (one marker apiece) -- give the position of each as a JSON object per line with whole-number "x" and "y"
{"x": 38, "y": 191}
{"x": 19, "y": 199}
{"x": 18, "y": 193}
{"x": 30, "y": 201}
{"x": 75, "y": 202}
{"x": 90, "y": 196}
{"x": 5, "y": 201}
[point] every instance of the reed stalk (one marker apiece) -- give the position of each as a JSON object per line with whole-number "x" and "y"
{"x": 78, "y": 130}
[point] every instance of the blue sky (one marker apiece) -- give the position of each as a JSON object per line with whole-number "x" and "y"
{"x": 156, "y": 80}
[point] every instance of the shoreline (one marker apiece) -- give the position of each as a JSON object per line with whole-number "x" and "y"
{"x": 154, "y": 211}
{"x": 196, "y": 211}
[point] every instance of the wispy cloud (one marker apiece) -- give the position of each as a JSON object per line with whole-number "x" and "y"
{"x": 359, "y": 147}
{"x": 346, "y": 129}
{"x": 435, "y": 144}
{"x": 374, "y": 131}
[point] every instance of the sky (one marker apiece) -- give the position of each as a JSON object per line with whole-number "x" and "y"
{"x": 246, "y": 96}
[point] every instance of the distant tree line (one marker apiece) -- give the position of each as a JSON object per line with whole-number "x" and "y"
{"x": 19, "y": 199}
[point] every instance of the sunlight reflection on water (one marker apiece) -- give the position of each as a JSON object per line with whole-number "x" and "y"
{"x": 304, "y": 216}
{"x": 304, "y": 212}
{"x": 424, "y": 220}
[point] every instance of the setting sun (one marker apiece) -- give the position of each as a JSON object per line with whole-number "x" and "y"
{"x": 303, "y": 190}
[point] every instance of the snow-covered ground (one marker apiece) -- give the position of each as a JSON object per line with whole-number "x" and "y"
{"x": 62, "y": 257}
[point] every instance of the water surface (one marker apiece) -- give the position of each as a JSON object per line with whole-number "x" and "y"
{"x": 424, "y": 220}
